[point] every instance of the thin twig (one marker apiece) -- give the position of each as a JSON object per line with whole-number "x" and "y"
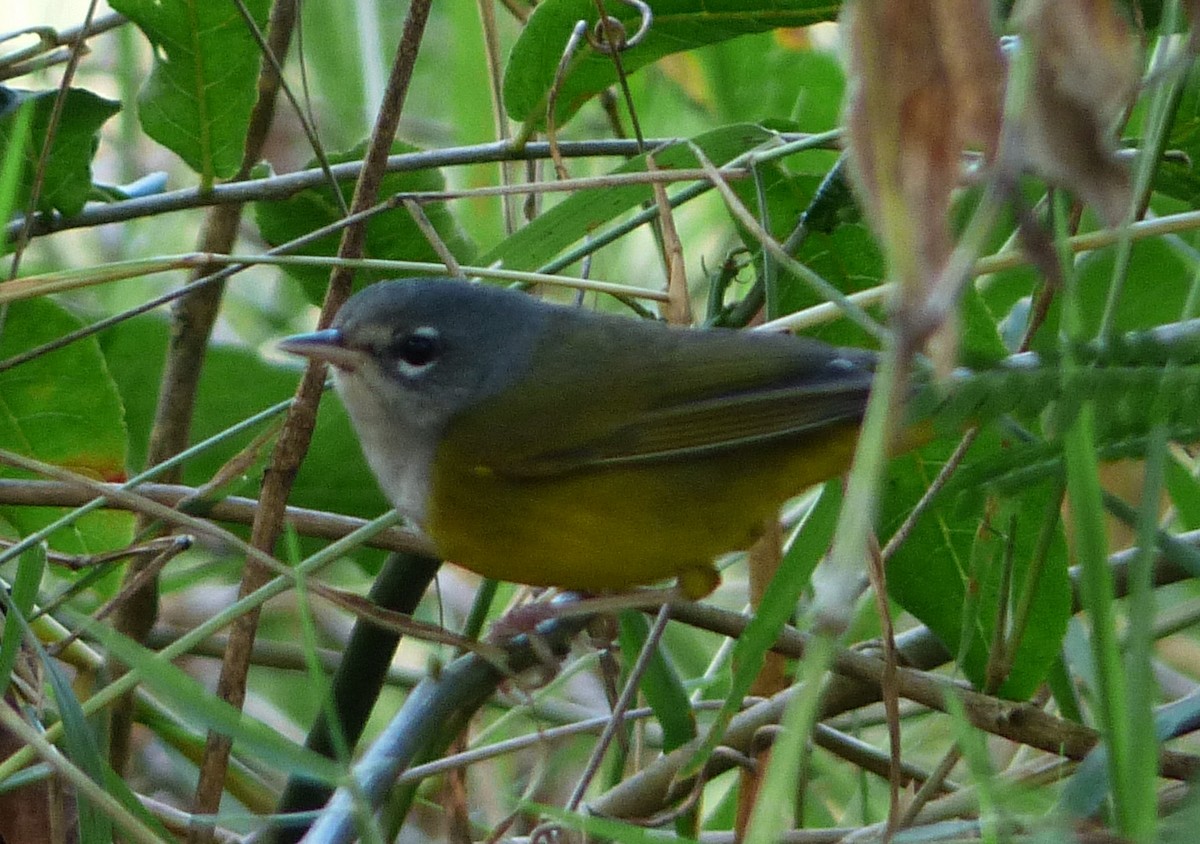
{"x": 932, "y": 491}
{"x": 146, "y": 573}
{"x": 287, "y": 185}
{"x": 495, "y": 69}
{"x": 929, "y": 789}
{"x": 105, "y": 695}
{"x": 1007, "y": 259}
{"x": 192, "y": 320}
{"x": 647, "y": 791}
{"x": 50, "y": 39}
{"x": 425, "y": 225}
{"x": 888, "y": 686}
{"x": 301, "y": 419}
{"x": 31, "y": 287}
{"x": 617, "y": 718}
{"x": 578, "y": 31}
{"x": 319, "y": 524}
{"x": 679, "y": 306}
{"x": 78, "y": 48}
{"x": 818, "y": 284}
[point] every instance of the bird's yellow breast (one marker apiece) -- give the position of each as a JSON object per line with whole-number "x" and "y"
{"x": 615, "y": 527}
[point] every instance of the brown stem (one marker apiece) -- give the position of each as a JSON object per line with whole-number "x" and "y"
{"x": 297, "y": 429}
{"x": 192, "y": 320}
{"x": 655, "y": 786}
{"x": 233, "y": 508}
{"x": 856, "y": 681}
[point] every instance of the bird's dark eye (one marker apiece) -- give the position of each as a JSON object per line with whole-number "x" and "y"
{"x": 417, "y": 348}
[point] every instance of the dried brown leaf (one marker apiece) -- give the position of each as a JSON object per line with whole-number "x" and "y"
{"x": 927, "y": 80}
{"x": 1087, "y": 68}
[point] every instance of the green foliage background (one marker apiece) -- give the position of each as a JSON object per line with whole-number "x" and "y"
{"x": 739, "y": 80}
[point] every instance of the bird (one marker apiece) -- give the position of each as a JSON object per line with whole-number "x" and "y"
{"x": 554, "y": 446}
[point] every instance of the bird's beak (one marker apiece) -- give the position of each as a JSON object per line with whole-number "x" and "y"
{"x": 328, "y": 346}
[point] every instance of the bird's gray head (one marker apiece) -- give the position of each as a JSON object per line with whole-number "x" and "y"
{"x": 418, "y": 351}
{"x": 408, "y": 356}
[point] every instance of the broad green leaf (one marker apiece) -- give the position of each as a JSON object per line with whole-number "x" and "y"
{"x": 337, "y": 68}
{"x": 1024, "y": 463}
{"x": 17, "y": 129}
{"x": 849, "y": 259}
{"x": 390, "y": 235}
{"x": 62, "y": 408}
{"x": 980, "y": 342}
{"x": 1042, "y": 402}
{"x": 1159, "y": 283}
{"x": 198, "y": 97}
{"x": 237, "y": 382}
{"x": 586, "y": 210}
{"x": 834, "y": 244}
{"x": 678, "y": 25}
{"x": 773, "y": 76}
{"x": 778, "y": 201}
{"x": 67, "y": 180}
{"x": 187, "y": 696}
{"x": 1127, "y": 379}
{"x": 931, "y": 576}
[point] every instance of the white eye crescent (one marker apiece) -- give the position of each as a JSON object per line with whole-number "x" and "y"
{"x": 416, "y": 350}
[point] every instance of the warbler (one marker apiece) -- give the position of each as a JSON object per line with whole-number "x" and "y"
{"x": 555, "y": 446}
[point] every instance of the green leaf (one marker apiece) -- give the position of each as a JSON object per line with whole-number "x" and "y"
{"x": 390, "y": 235}
{"x": 771, "y": 76}
{"x": 778, "y": 604}
{"x": 1159, "y": 283}
{"x": 849, "y": 259}
{"x": 979, "y": 336}
{"x": 1184, "y": 489}
{"x": 778, "y": 201}
{"x": 930, "y": 574}
{"x": 187, "y": 696}
{"x": 678, "y": 25}
{"x": 834, "y": 244}
{"x": 660, "y": 683}
{"x": 82, "y": 749}
{"x": 1172, "y": 177}
{"x": 586, "y": 210}
{"x": 1134, "y": 397}
{"x": 62, "y": 408}
{"x": 67, "y": 180}
{"x": 334, "y": 476}
{"x": 199, "y": 95}
{"x": 336, "y": 67}
{"x": 30, "y": 566}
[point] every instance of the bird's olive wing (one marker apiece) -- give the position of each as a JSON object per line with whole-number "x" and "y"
{"x": 623, "y": 392}
{"x": 710, "y": 425}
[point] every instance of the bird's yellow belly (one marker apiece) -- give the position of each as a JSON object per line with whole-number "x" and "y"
{"x": 616, "y": 527}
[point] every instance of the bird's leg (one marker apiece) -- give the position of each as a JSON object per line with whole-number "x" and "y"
{"x": 526, "y": 619}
